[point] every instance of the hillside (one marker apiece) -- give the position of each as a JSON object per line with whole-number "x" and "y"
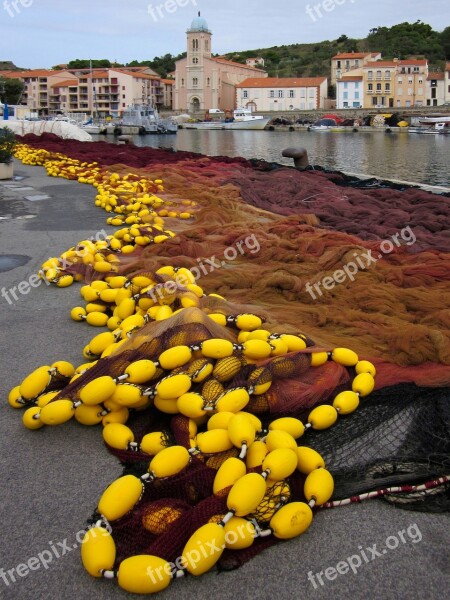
{"x": 311, "y": 60}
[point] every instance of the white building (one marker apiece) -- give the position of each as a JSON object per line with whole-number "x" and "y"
{"x": 282, "y": 94}
{"x": 350, "y": 90}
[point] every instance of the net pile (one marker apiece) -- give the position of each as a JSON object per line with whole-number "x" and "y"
{"x": 272, "y": 241}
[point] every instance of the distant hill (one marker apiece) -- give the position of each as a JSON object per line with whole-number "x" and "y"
{"x": 312, "y": 60}
{"x": 7, "y": 65}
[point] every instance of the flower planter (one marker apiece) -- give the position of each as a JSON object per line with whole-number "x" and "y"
{"x": 6, "y": 170}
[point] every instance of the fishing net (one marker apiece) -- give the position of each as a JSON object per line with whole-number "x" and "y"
{"x": 275, "y": 242}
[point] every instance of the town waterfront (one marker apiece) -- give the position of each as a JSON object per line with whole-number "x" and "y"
{"x": 405, "y": 156}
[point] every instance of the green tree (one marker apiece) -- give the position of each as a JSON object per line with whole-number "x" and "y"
{"x": 10, "y": 90}
{"x": 445, "y": 42}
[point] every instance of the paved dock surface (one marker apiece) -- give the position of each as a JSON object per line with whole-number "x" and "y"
{"x": 52, "y": 479}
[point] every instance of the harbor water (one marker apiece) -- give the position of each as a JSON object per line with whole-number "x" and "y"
{"x": 401, "y": 155}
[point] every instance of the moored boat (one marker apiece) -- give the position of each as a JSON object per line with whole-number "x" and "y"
{"x": 147, "y": 119}
{"x": 242, "y": 118}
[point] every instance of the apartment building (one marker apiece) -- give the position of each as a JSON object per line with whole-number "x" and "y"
{"x": 435, "y": 89}
{"x": 282, "y": 94}
{"x": 379, "y": 84}
{"x": 410, "y": 83}
{"x": 38, "y": 86}
{"x": 350, "y": 90}
{"x": 101, "y": 92}
{"x": 349, "y": 61}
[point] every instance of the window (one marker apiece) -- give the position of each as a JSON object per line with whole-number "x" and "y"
{"x": 280, "y": 93}
{"x": 208, "y": 81}
{"x": 410, "y": 92}
{"x": 420, "y": 91}
{"x": 356, "y": 85}
{"x": 408, "y": 103}
{"x": 245, "y": 94}
{"x": 420, "y": 80}
{"x": 291, "y": 93}
{"x": 346, "y": 96}
{"x": 400, "y": 92}
{"x": 410, "y": 79}
{"x": 195, "y": 81}
{"x": 195, "y": 45}
{"x": 182, "y": 82}
{"x": 370, "y": 75}
{"x": 370, "y": 87}
{"x": 400, "y": 80}
{"x": 387, "y": 74}
{"x": 123, "y": 96}
{"x": 387, "y": 87}
{"x": 272, "y": 94}
{"x": 356, "y": 63}
{"x": 356, "y": 95}
{"x": 207, "y": 45}
{"x": 311, "y": 92}
{"x": 378, "y": 87}
{"x": 195, "y": 61}
{"x": 378, "y": 74}
{"x": 345, "y": 85}
{"x": 347, "y": 64}
{"x": 338, "y": 64}
{"x": 338, "y": 74}
{"x": 345, "y": 104}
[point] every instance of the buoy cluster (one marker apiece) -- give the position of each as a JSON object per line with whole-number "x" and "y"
{"x": 138, "y": 210}
{"x": 195, "y": 381}
{"x": 211, "y": 383}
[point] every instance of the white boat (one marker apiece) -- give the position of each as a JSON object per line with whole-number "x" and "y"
{"x": 440, "y": 127}
{"x": 434, "y": 120}
{"x": 242, "y": 118}
{"x": 147, "y": 119}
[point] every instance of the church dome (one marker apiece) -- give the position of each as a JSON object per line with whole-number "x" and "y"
{"x": 199, "y": 24}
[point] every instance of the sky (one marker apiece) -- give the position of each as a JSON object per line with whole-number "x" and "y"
{"x": 43, "y": 33}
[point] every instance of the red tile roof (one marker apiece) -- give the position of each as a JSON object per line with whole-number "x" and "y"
{"x": 136, "y": 75}
{"x": 447, "y": 66}
{"x": 440, "y": 76}
{"x": 222, "y": 61}
{"x": 380, "y": 63}
{"x": 345, "y": 55}
{"x": 168, "y": 81}
{"x": 278, "y": 82}
{"x": 413, "y": 61}
{"x": 353, "y": 78}
{"x": 66, "y": 83}
{"x": 26, "y": 74}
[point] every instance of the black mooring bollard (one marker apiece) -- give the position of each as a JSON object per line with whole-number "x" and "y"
{"x": 300, "y": 156}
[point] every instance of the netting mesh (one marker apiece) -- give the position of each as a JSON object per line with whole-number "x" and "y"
{"x": 307, "y": 226}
